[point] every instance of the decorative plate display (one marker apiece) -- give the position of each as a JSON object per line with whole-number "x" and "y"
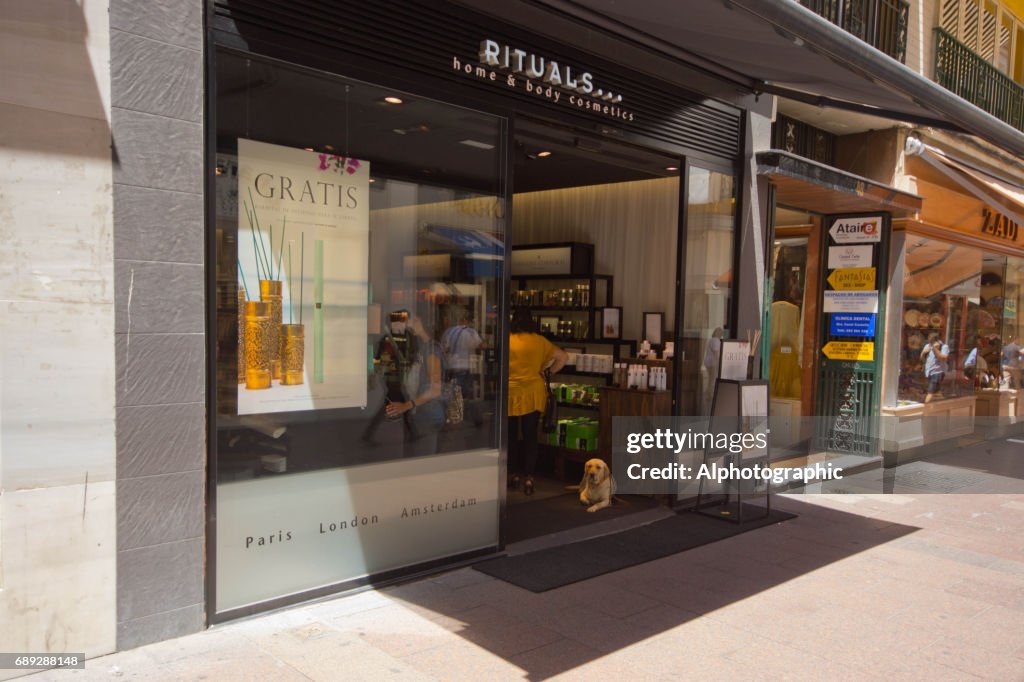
{"x": 914, "y": 342}
{"x": 923, "y": 320}
{"x": 910, "y": 317}
{"x": 937, "y": 320}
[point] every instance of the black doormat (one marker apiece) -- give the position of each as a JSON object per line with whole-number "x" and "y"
{"x": 564, "y": 512}
{"x": 547, "y": 569}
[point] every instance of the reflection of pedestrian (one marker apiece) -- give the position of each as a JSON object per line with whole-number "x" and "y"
{"x": 459, "y": 342}
{"x": 422, "y": 409}
{"x": 935, "y": 354}
{"x": 528, "y": 354}
{"x": 712, "y": 354}
{"x": 1011, "y": 362}
{"x": 391, "y": 358}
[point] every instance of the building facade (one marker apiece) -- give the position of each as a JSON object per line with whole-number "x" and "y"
{"x": 199, "y": 169}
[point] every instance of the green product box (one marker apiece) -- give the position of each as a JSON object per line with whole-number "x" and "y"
{"x": 582, "y": 435}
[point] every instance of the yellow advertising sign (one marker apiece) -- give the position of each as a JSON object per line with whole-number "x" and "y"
{"x": 862, "y": 351}
{"x": 852, "y": 279}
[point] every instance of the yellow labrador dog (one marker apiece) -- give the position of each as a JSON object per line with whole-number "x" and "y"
{"x": 598, "y": 485}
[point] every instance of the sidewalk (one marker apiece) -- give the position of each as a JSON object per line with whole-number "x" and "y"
{"x": 924, "y": 586}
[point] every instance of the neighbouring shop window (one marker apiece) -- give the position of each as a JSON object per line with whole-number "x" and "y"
{"x": 787, "y": 318}
{"x": 359, "y": 246}
{"x": 952, "y": 307}
{"x": 710, "y": 229}
{"x": 1012, "y": 353}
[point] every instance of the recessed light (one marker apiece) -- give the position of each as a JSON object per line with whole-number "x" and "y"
{"x": 329, "y": 147}
{"x": 309, "y": 149}
{"x": 671, "y": 168}
{"x": 476, "y": 144}
{"x": 393, "y": 100}
{"x": 372, "y": 180}
{"x": 544, "y": 154}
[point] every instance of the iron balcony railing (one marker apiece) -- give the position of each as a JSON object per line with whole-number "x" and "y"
{"x": 879, "y": 23}
{"x": 963, "y": 72}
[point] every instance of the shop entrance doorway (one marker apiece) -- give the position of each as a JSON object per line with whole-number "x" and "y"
{"x": 595, "y": 226}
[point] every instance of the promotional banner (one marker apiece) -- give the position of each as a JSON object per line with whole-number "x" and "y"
{"x": 303, "y": 254}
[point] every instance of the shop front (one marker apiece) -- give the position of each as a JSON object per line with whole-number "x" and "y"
{"x": 948, "y": 279}
{"x": 386, "y": 183}
{"x": 961, "y": 262}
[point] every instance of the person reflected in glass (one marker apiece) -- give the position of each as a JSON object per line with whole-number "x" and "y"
{"x": 712, "y": 355}
{"x": 935, "y": 354}
{"x": 1011, "y": 363}
{"x": 459, "y": 343}
{"x": 391, "y": 360}
{"x": 529, "y": 354}
{"x": 421, "y": 409}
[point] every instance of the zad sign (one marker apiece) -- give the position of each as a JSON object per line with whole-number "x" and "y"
{"x": 857, "y": 230}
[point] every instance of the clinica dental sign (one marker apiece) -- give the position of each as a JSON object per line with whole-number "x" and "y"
{"x": 543, "y": 78}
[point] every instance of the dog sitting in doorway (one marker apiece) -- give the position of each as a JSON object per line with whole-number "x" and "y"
{"x": 597, "y": 487}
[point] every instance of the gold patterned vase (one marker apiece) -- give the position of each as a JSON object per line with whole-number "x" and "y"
{"x": 270, "y": 292}
{"x": 258, "y": 326}
{"x": 293, "y": 352}
{"x": 241, "y": 336}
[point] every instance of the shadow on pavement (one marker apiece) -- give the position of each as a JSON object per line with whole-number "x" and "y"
{"x": 556, "y": 631}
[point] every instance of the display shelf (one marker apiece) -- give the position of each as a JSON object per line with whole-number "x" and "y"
{"x": 581, "y": 406}
{"x": 577, "y": 373}
{"x": 526, "y": 278}
{"x": 559, "y": 309}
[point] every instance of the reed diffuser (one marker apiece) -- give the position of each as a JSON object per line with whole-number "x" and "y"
{"x": 269, "y": 273}
{"x": 293, "y": 336}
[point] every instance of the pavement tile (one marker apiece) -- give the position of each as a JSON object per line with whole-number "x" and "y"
{"x": 319, "y": 653}
{"x": 1001, "y": 591}
{"x": 998, "y": 630}
{"x": 246, "y": 669}
{"x": 557, "y": 658}
{"x": 348, "y": 605}
{"x": 503, "y": 634}
{"x": 977, "y": 662}
{"x": 459, "y": 661}
{"x": 396, "y": 629}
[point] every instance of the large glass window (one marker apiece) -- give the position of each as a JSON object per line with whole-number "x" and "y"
{"x": 710, "y": 229}
{"x": 359, "y": 245}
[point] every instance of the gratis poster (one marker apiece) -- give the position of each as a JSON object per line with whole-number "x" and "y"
{"x": 303, "y": 258}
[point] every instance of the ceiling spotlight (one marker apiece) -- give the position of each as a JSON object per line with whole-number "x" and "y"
{"x": 309, "y": 149}
{"x": 373, "y": 180}
{"x": 329, "y": 147}
{"x": 671, "y": 168}
{"x": 393, "y": 100}
{"x": 543, "y": 154}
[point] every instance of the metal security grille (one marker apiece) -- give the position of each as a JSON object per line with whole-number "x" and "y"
{"x": 418, "y": 41}
{"x": 846, "y": 401}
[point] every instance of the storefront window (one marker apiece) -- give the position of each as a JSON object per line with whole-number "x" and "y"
{"x": 1012, "y": 354}
{"x": 943, "y": 319}
{"x": 710, "y": 211}
{"x": 359, "y": 246}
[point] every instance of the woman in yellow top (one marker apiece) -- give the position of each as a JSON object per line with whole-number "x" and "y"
{"x": 528, "y": 354}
